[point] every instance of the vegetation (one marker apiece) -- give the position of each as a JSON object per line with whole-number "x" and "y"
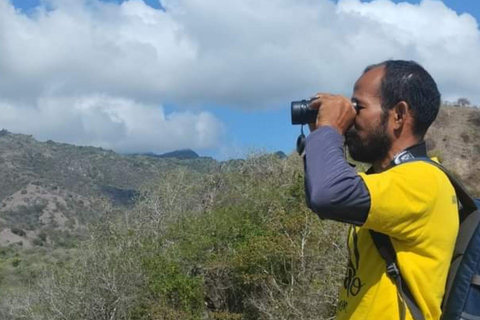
{"x": 236, "y": 244}
{"x": 97, "y": 235}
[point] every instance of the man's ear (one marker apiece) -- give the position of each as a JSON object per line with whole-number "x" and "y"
{"x": 401, "y": 115}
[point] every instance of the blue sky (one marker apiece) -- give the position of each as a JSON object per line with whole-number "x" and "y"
{"x": 29, "y": 4}
{"x": 469, "y": 6}
{"x": 460, "y": 6}
{"x": 240, "y": 125}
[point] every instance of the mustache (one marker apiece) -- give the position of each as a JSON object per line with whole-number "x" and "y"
{"x": 351, "y": 133}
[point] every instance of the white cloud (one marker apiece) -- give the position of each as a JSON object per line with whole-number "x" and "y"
{"x": 250, "y": 54}
{"x": 113, "y": 123}
{"x": 447, "y": 44}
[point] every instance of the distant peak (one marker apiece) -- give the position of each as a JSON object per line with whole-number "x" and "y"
{"x": 177, "y": 154}
{"x": 280, "y": 154}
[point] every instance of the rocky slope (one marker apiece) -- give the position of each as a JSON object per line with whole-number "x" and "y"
{"x": 455, "y": 139}
{"x": 48, "y": 190}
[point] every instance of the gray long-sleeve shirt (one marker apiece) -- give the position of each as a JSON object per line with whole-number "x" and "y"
{"x": 333, "y": 188}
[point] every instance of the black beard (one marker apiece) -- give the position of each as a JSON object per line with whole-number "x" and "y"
{"x": 375, "y": 147}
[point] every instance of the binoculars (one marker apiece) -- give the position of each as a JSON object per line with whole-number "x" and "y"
{"x": 303, "y": 114}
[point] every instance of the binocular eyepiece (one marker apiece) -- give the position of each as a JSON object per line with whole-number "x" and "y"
{"x": 303, "y": 114}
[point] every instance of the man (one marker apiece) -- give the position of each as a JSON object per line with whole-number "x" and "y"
{"x": 413, "y": 203}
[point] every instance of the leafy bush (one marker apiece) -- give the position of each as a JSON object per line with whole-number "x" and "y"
{"x": 235, "y": 244}
{"x": 18, "y": 231}
{"x": 25, "y": 217}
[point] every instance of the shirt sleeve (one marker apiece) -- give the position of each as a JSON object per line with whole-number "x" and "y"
{"x": 400, "y": 199}
{"x": 333, "y": 188}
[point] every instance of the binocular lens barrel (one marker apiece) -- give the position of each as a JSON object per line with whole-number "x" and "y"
{"x": 302, "y": 113}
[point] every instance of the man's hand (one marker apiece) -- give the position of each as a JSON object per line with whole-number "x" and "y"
{"x": 333, "y": 110}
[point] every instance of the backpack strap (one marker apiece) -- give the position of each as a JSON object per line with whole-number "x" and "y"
{"x": 405, "y": 297}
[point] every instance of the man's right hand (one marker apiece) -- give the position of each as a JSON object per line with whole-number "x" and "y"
{"x": 333, "y": 110}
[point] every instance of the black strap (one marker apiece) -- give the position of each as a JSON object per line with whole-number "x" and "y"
{"x": 405, "y": 297}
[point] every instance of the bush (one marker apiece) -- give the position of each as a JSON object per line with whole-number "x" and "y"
{"x": 474, "y": 119}
{"x": 236, "y": 244}
{"x": 38, "y": 242}
{"x": 16, "y": 262}
{"x": 18, "y": 231}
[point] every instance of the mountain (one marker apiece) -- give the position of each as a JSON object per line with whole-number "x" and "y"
{"x": 177, "y": 154}
{"x": 280, "y": 154}
{"x": 49, "y": 191}
{"x": 55, "y": 188}
{"x": 243, "y": 230}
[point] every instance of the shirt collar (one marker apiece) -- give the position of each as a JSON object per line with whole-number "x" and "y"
{"x": 416, "y": 151}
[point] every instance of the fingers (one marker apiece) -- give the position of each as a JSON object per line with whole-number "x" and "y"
{"x": 336, "y": 111}
{"x": 316, "y": 100}
{"x": 323, "y": 94}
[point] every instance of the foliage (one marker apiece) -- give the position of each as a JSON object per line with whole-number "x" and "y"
{"x": 202, "y": 240}
{"x": 18, "y": 231}
{"x": 234, "y": 244}
{"x": 463, "y": 102}
{"x": 24, "y": 217}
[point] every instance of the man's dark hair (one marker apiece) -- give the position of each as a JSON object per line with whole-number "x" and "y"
{"x": 410, "y": 82}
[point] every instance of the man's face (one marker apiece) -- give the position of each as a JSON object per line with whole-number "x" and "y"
{"x": 368, "y": 139}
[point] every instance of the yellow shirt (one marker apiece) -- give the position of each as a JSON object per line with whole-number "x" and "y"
{"x": 415, "y": 204}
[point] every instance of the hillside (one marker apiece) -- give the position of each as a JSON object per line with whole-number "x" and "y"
{"x": 455, "y": 138}
{"x": 48, "y": 187}
{"x": 178, "y": 154}
{"x": 49, "y": 191}
{"x": 203, "y": 240}
{"x": 48, "y": 184}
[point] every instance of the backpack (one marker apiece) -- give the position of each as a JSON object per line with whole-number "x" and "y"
{"x": 462, "y": 293}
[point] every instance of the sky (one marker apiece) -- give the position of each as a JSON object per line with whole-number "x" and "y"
{"x": 215, "y": 76}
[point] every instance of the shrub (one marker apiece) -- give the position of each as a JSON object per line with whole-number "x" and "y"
{"x": 234, "y": 244}
{"x": 18, "y": 231}
{"x": 474, "y": 119}
{"x": 16, "y": 262}
{"x": 38, "y": 242}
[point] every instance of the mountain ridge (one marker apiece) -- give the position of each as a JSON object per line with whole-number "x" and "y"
{"x": 50, "y": 187}
{"x": 50, "y": 190}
